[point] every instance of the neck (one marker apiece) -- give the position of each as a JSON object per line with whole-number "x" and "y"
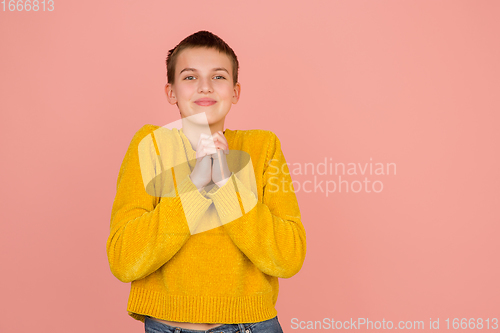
{"x": 193, "y": 130}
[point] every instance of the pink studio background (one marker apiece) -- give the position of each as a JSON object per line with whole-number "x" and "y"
{"x": 414, "y": 83}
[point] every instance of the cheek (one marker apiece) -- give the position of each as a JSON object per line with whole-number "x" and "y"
{"x": 226, "y": 93}
{"x": 185, "y": 92}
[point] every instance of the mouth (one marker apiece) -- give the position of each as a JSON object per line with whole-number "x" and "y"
{"x": 205, "y": 101}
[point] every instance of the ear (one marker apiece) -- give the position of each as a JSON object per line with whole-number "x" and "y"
{"x": 170, "y": 94}
{"x": 236, "y": 92}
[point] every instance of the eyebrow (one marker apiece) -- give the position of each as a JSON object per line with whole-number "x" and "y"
{"x": 214, "y": 69}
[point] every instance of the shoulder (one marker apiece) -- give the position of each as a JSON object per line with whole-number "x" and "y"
{"x": 258, "y": 142}
{"x": 144, "y": 131}
{"x": 135, "y": 143}
{"x": 259, "y": 136}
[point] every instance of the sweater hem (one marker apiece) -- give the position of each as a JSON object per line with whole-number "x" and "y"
{"x": 200, "y": 308}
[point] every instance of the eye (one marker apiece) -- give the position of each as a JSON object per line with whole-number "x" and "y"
{"x": 220, "y": 76}
{"x": 188, "y": 77}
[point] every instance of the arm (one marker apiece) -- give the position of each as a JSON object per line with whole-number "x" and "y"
{"x": 146, "y": 231}
{"x": 270, "y": 233}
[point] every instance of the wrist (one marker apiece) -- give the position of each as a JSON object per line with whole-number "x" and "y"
{"x": 195, "y": 183}
{"x": 224, "y": 181}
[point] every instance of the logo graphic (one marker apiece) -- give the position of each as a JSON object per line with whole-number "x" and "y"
{"x": 167, "y": 160}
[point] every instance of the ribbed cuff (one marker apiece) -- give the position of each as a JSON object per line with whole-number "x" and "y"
{"x": 193, "y": 202}
{"x": 233, "y": 200}
{"x": 214, "y": 188}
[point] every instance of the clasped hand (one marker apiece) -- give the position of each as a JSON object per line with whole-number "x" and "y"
{"x": 211, "y": 163}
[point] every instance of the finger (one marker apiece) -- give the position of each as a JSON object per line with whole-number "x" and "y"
{"x": 220, "y": 137}
{"x": 209, "y": 146}
{"x": 203, "y": 137}
{"x": 208, "y": 142}
{"x": 205, "y": 146}
{"x": 199, "y": 148}
{"x": 221, "y": 144}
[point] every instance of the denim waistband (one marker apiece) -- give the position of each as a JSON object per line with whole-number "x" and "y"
{"x": 158, "y": 327}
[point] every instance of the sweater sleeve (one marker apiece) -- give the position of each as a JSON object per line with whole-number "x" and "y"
{"x": 146, "y": 231}
{"x": 271, "y": 233}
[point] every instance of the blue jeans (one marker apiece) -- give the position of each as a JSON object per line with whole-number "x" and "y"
{"x": 267, "y": 326}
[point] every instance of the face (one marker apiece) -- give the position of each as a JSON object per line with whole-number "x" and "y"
{"x": 203, "y": 83}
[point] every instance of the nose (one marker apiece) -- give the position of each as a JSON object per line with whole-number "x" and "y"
{"x": 205, "y": 85}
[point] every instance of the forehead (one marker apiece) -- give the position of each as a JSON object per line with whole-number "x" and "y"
{"x": 202, "y": 59}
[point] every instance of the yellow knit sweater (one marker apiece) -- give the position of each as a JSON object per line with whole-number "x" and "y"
{"x": 197, "y": 256}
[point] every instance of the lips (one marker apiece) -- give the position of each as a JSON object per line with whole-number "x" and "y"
{"x": 205, "y": 101}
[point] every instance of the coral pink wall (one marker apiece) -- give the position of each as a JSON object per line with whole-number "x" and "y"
{"x": 412, "y": 83}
